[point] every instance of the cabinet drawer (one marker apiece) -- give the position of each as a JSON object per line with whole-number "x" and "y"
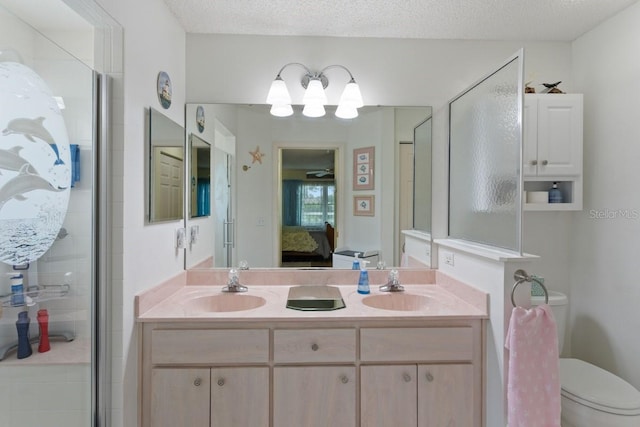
{"x": 416, "y": 344}
{"x": 209, "y": 346}
{"x": 314, "y": 345}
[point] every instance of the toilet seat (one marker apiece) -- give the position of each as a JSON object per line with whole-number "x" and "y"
{"x": 596, "y": 388}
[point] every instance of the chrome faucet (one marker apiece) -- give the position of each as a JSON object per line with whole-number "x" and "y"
{"x": 233, "y": 285}
{"x": 393, "y": 283}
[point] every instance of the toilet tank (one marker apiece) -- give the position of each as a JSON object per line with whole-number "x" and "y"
{"x": 559, "y": 307}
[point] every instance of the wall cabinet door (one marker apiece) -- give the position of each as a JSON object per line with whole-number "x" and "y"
{"x": 239, "y": 397}
{"x": 388, "y": 396}
{"x": 180, "y": 397}
{"x": 552, "y": 135}
{"x": 445, "y": 395}
{"x": 314, "y": 396}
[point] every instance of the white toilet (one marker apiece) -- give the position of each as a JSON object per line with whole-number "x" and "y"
{"x": 591, "y": 396}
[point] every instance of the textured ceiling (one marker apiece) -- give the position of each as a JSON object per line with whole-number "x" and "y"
{"x": 558, "y": 20}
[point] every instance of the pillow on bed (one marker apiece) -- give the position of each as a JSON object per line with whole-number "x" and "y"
{"x": 297, "y": 240}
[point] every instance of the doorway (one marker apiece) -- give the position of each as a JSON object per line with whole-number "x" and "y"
{"x": 308, "y": 188}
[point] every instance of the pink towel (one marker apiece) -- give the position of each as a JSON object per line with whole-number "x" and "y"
{"x": 533, "y": 390}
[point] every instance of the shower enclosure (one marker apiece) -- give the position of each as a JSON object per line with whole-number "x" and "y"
{"x": 53, "y": 218}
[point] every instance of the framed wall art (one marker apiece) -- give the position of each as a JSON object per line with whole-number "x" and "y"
{"x": 364, "y": 205}
{"x": 363, "y": 168}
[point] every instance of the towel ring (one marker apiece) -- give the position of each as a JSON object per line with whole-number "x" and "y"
{"x": 521, "y": 276}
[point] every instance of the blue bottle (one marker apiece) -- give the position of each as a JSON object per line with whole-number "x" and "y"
{"x": 24, "y": 344}
{"x": 555, "y": 195}
{"x": 356, "y": 261}
{"x": 363, "y": 281}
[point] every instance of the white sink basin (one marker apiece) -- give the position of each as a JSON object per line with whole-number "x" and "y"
{"x": 224, "y": 303}
{"x": 397, "y": 301}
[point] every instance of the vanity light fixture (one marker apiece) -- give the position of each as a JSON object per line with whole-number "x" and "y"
{"x": 314, "y": 98}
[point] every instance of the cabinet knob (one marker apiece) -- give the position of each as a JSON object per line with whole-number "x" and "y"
{"x": 220, "y": 382}
{"x": 344, "y": 379}
{"x": 533, "y": 162}
{"x": 406, "y": 377}
{"x": 545, "y": 162}
{"x": 197, "y": 382}
{"x": 314, "y": 347}
{"x": 429, "y": 377}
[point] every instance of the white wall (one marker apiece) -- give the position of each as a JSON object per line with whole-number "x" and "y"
{"x": 153, "y": 42}
{"x": 604, "y": 252}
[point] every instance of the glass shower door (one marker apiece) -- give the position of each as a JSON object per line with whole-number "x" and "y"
{"x": 48, "y": 227}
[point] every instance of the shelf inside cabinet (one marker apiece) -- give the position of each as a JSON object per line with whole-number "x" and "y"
{"x": 571, "y": 190}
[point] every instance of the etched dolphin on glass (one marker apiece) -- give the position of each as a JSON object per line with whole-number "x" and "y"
{"x": 11, "y": 160}
{"x": 23, "y": 183}
{"x": 33, "y": 128}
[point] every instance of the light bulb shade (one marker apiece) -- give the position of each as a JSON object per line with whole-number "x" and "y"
{"x": 313, "y": 110}
{"x": 314, "y": 93}
{"x": 278, "y": 93}
{"x": 351, "y": 95}
{"x": 346, "y": 112}
{"x": 281, "y": 110}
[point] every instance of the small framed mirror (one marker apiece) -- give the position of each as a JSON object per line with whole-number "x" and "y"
{"x": 200, "y": 177}
{"x": 166, "y": 168}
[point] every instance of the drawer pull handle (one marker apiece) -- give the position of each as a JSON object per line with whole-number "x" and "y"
{"x": 533, "y": 162}
{"x": 314, "y": 347}
{"x": 220, "y": 382}
{"x": 406, "y": 377}
{"x": 429, "y": 377}
{"x": 197, "y": 382}
{"x": 344, "y": 379}
{"x": 545, "y": 162}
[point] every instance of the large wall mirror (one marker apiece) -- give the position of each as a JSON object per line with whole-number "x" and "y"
{"x": 166, "y": 168}
{"x": 259, "y": 139}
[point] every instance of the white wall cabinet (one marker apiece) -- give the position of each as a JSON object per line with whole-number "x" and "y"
{"x": 552, "y": 147}
{"x": 339, "y": 374}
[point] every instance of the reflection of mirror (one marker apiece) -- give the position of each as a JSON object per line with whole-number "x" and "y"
{"x": 200, "y": 177}
{"x": 257, "y": 204}
{"x": 166, "y": 168}
{"x": 422, "y": 177}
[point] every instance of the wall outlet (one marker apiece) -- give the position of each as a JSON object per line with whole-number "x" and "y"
{"x": 448, "y": 258}
{"x": 180, "y": 239}
{"x": 260, "y": 222}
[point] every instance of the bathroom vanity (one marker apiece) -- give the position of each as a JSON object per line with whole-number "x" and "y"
{"x": 403, "y": 359}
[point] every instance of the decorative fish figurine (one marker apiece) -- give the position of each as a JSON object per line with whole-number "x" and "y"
{"x": 10, "y": 160}
{"x": 23, "y": 183}
{"x": 33, "y": 128}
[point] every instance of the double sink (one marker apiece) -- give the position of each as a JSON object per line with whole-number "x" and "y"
{"x": 306, "y": 298}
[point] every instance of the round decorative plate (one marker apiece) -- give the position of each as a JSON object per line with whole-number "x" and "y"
{"x": 35, "y": 165}
{"x": 200, "y": 118}
{"x": 164, "y": 89}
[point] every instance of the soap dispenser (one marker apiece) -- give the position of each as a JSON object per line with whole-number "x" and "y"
{"x": 363, "y": 281}
{"x": 356, "y": 261}
{"x": 555, "y": 195}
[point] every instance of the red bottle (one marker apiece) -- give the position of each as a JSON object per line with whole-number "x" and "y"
{"x": 43, "y": 322}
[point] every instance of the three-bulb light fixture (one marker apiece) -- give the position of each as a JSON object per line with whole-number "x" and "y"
{"x": 314, "y": 98}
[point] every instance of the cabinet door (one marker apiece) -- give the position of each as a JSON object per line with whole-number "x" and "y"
{"x": 530, "y": 137}
{"x": 239, "y": 397}
{"x": 388, "y": 396}
{"x": 180, "y": 397}
{"x": 446, "y": 396}
{"x": 314, "y": 396}
{"x": 559, "y": 135}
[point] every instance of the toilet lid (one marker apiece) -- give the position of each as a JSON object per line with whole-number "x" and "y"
{"x": 597, "y": 388}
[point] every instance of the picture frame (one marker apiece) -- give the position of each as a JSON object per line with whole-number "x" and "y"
{"x": 363, "y": 168}
{"x": 164, "y": 89}
{"x": 364, "y": 205}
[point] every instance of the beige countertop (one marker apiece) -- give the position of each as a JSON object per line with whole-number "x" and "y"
{"x": 189, "y": 303}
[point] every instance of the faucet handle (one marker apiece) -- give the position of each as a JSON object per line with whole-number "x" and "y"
{"x": 393, "y": 277}
{"x": 234, "y": 279}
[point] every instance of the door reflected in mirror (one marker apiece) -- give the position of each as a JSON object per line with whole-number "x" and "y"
{"x": 422, "y": 176}
{"x": 200, "y": 177}
{"x": 166, "y": 168}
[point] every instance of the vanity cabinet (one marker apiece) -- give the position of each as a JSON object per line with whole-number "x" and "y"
{"x": 319, "y": 373}
{"x": 201, "y": 397}
{"x": 552, "y": 147}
